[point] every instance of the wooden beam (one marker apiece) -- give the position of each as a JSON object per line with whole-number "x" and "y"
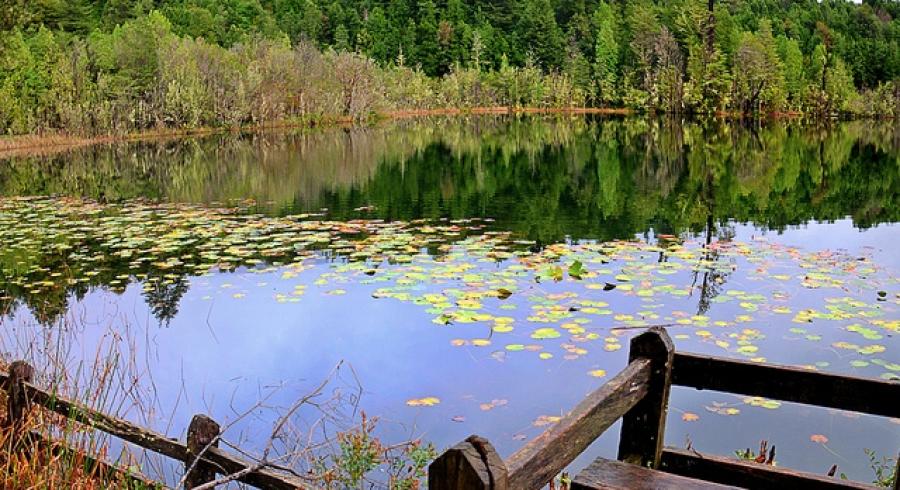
{"x": 788, "y": 383}
{"x": 644, "y": 426}
{"x": 748, "y": 474}
{"x": 606, "y": 474}
{"x": 539, "y": 461}
{"x": 470, "y": 465}
{"x": 154, "y": 441}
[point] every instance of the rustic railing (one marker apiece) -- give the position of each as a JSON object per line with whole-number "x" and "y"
{"x": 202, "y": 459}
{"x": 639, "y": 396}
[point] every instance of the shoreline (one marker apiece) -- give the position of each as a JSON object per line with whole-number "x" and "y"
{"x": 52, "y": 142}
{"x": 38, "y": 144}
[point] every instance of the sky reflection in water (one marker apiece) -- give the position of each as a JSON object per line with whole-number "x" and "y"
{"x": 544, "y": 181}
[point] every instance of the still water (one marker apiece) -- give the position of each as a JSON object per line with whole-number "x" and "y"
{"x": 434, "y": 258}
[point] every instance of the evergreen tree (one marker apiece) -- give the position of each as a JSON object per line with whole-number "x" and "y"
{"x": 539, "y": 34}
{"x": 342, "y": 39}
{"x": 428, "y": 51}
{"x": 383, "y": 43}
{"x": 606, "y": 54}
{"x": 299, "y": 19}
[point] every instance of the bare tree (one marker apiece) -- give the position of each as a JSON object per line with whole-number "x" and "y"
{"x": 356, "y": 76}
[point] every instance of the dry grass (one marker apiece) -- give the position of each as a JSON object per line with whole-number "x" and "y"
{"x": 48, "y": 452}
{"x": 36, "y": 463}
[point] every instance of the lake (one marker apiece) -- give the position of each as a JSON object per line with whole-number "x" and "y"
{"x": 475, "y": 275}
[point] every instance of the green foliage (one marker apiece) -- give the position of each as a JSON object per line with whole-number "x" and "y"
{"x": 361, "y": 453}
{"x": 883, "y": 468}
{"x": 606, "y": 54}
{"x": 759, "y": 83}
{"x": 792, "y": 61}
{"x": 572, "y": 179}
{"x": 93, "y": 66}
{"x": 539, "y": 35}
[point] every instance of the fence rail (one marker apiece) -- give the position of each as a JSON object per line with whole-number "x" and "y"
{"x": 787, "y": 383}
{"x": 201, "y": 458}
{"x": 639, "y": 395}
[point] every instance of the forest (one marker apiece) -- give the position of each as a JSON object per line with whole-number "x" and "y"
{"x": 92, "y": 67}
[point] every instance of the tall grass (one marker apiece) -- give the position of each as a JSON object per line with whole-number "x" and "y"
{"x": 322, "y": 435}
{"x": 56, "y": 452}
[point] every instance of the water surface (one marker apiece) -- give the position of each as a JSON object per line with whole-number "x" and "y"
{"x": 227, "y": 268}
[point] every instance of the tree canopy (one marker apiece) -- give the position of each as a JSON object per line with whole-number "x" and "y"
{"x": 59, "y": 58}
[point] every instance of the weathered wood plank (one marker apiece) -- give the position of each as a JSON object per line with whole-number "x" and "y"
{"x": 787, "y": 383}
{"x": 543, "y": 458}
{"x": 607, "y": 474}
{"x": 202, "y": 432}
{"x": 153, "y": 441}
{"x": 470, "y": 465}
{"x": 747, "y": 474}
{"x": 644, "y": 426}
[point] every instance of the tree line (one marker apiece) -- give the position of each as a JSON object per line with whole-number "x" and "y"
{"x": 107, "y": 66}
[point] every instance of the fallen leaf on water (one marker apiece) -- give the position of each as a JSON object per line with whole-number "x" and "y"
{"x": 545, "y": 420}
{"x": 428, "y": 401}
{"x": 722, "y": 409}
{"x": 758, "y": 401}
{"x": 492, "y": 404}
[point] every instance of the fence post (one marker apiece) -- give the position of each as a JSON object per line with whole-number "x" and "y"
{"x": 643, "y": 427}
{"x": 17, "y": 402}
{"x": 470, "y": 465}
{"x": 201, "y": 432}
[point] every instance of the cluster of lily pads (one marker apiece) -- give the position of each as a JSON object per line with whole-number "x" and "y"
{"x": 488, "y": 288}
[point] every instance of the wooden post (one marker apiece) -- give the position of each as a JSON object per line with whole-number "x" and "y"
{"x": 643, "y": 427}
{"x": 17, "y": 403}
{"x": 470, "y": 465}
{"x": 202, "y": 432}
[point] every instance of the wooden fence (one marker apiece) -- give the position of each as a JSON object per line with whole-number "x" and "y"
{"x": 202, "y": 459}
{"x": 639, "y": 396}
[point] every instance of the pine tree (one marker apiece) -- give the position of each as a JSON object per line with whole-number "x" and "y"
{"x": 383, "y": 45}
{"x": 341, "y": 39}
{"x": 606, "y": 54}
{"x": 428, "y": 50}
{"x": 539, "y": 33}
